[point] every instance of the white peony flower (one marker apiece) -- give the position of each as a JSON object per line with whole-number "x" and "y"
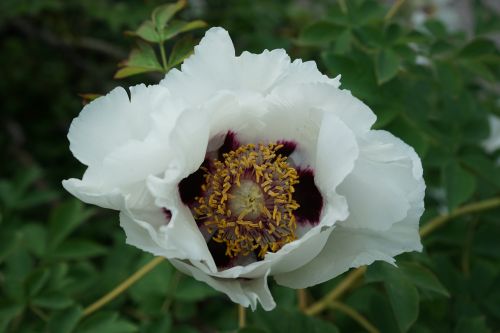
{"x": 237, "y": 168}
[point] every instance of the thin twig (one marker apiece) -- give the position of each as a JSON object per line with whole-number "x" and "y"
{"x": 122, "y": 286}
{"x": 39, "y": 313}
{"x": 343, "y": 6}
{"x": 302, "y": 296}
{"x": 338, "y": 291}
{"x": 355, "y": 315}
{"x": 242, "y": 319}
{"x": 467, "y": 209}
{"x": 393, "y": 10}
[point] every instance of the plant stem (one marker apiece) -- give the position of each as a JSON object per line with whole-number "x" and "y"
{"x": 393, "y": 10}
{"x": 338, "y": 291}
{"x": 467, "y": 209}
{"x": 343, "y": 6}
{"x": 355, "y": 275}
{"x": 163, "y": 57}
{"x": 355, "y": 315}
{"x": 302, "y": 296}
{"x": 39, "y": 313}
{"x": 122, "y": 286}
{"x": 242, "y": 320}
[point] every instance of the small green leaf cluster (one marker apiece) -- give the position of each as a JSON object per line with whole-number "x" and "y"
{"x": 162, "y": 27}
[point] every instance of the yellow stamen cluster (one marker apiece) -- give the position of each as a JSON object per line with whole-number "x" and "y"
{"x": 248, "y": 202}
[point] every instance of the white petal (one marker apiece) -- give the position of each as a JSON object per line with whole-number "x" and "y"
{"x": 209, "y": 69}
{"x": 259, "y": 72}
{"x": 337, "y": 151}
{"x": 242, "y": 291}
{"x": 386, "y": 179}
{"x": 181, "y": 237}
{"x": 112, "y": 120}
{"x": 354, "y": 113}
{"x": 90, "y": 194}
{"x": 305, "y": 72}
{"x": 214, "y": 67}
{"x": 347, "y": 248}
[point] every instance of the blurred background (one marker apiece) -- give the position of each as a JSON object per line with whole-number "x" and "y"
{"x": 430, "y": 72}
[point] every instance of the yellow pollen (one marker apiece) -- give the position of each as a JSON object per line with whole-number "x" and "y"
{"x": 247, "y": 200}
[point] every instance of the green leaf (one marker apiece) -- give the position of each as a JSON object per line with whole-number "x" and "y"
{"x": 459, "y": 184}
{"x": 386, "y": 65}
{"x": 64, "y": 321}
{"x": 184, "y": 311}
{"x": 368, "y": 12}
{"x": 7, "y": 314}
{"x": 141, "y": 60}
{"x": 343, "y": 42}
{"x": 182, "y": 49}
{"x": 79, "y": 249}
{"x": 477, "y": 48}
{"x": 52, "y": 300}
{"x": 130, "y": 71}
{"x": 284, "y": 321}
{"x": 37, "y": 281}
{"x": 472, "y": 324}
{"x": 163, "y": 14}
{"x": 319, "y": 32}
{"x": 35, "y": 238}
{"x": 177, "y": 27}
{"x": 190, "y": 290}
{"x": 106, "y": 323}
{"x": 64, "y": 220}
{"x": 147, "y": 31}
{"x": 423, "y": 278}
{"x": 484, "y": 167}
{"x": 185, "y": 329}
{"x": 404, "y": 300}
{"x": 252, "y": 330}
{"x": 163, "y": 325}
{"x": 402, "y": 293}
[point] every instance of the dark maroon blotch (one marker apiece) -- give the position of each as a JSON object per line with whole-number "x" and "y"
{"x": 308, "y": 197}
{"x": 218, "y": 251}
{"x": 190, "y": 187}
{"x": 167, "y": 213}
{"x": 230, "y": 143}
{"x": 287, "y": 149}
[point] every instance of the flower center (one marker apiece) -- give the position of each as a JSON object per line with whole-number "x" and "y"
{"x": 247, "y": 201}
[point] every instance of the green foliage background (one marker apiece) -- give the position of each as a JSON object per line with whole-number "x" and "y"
{"x": 57, "y": 255}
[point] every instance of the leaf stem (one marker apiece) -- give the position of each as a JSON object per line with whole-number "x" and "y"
{"x": 39, "y": 313}
{"x": 355, "y": 275}
{"x": 163, "y": 56}
{"x": 339, "y": 290}
{"x": 467, "y": 209}
{"x": 343, "y": 6}
{"x": 355, "y": 315}
{"x": 242, "y": 316}
{"x": 302, "y": 296}
{"x": 393, "y": 10}
{"x": 122, "y": 286}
